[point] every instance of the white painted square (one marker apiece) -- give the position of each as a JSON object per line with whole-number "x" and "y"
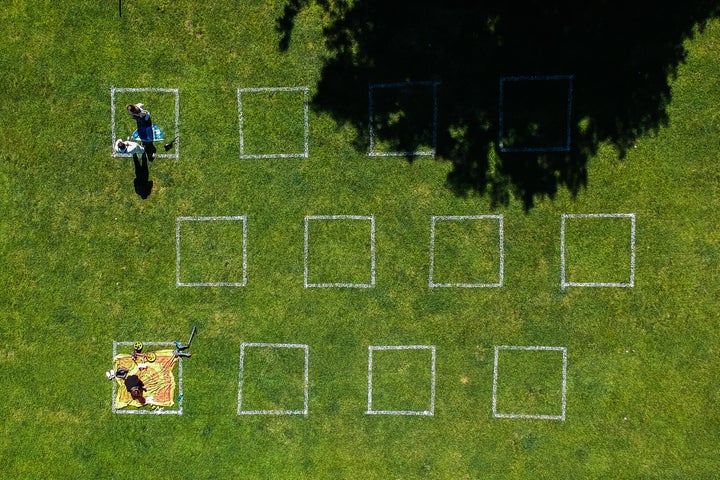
{"x": 371, "y": 219}
{"x": 241, "y": 282}
{"x": 243, "y": 348}
{"x": 430, "y": 411}
{"x": 168, "y": 138}
{"x": 148, "y": 411}
{"x": 243, "y": 92}
{"x": 433, "y": 86}
{"x": 562, "y": 401}
{"x": 501, "y": 251}
{"x": 563, "y": 275}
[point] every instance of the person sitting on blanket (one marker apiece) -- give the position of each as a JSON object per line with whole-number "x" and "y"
{"x": 133, "y": 384}
{"x": 126, "y": 146}
{"x": 138, "y": 113}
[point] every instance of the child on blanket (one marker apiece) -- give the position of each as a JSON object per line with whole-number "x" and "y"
{"x": 126, "y": 146}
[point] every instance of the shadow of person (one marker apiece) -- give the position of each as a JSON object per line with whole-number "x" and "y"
{"x": 142, "y": 182}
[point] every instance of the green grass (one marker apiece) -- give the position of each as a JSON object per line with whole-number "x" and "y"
{"x": 273, "y": 378}
{"x": 401, "y": 380}
{"x": 339, "y": 251}
{"x": 212, "y": 251}
{"x": 467, "y": 251}
{"x": 529, "y": 382}
{"x": 273, "y": 122}
{"x": 598, "y": 249}
{"x": 84, "y": 261}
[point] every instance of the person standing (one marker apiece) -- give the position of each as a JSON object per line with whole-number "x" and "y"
{"x": 138, "y": 113}
{"x": 144, "y": 127}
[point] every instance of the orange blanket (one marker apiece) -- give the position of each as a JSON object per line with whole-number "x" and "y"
{"x": 157, "y": 376}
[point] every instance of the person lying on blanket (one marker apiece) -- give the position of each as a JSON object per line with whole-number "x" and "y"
{"x": 133, "y": 385}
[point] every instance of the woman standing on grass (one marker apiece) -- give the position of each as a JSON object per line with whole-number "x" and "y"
{"x": 144, "y": 127}
{"x": 138, "y": 113}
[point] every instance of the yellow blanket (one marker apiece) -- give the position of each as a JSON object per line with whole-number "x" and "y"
{"x": 157, "y": 376}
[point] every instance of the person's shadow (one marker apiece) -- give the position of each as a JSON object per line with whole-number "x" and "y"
{"x": 143, "y": 184}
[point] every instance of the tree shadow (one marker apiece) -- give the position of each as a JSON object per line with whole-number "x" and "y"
{"x": 620, "y": 56}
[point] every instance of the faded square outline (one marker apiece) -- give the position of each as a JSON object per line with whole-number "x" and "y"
{"x": 431, "y": 410}
{"x": 563, "y": 400}
{"x": 563, "y": 280}
{"x": 371, "y": 115}
{"x": 179, "y": 220}
{"x": 306, "y": 121}
{"x": 501, "y": 122}
{"x": 371, "y": 218}
{"x": 304, "y": 347}
{"x": 501, "y": 240}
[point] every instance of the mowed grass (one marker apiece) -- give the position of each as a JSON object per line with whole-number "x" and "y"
{"x": 340, "y": 251}
{"x": 85, "y": 262}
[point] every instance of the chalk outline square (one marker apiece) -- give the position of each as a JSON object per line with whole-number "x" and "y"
{"x": 629, "y": 284}
{"x": 178, "y": 220}
{"x": 371, "y": 114}
{"x": 158, "y": 411}
{"x": 428, "y": 413}
{"x": 371, "y": 218}
{"x": 305, "y": 91}
{"x": 560, "y": 417}
{"x": 304, "y": 347}
{"x": 501, "y": 243}
{"x": 175, "y": 91}
{"x": 501, "y": 122}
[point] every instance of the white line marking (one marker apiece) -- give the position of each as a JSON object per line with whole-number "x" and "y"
{"x": 501, "y": 242}
{"x": 175, "y": 91}
{"x": 371, "y": 218}
{"x": 430, "y": 411}
{"x": 179, "y": 283}
{"x": 158, "y": 411}
{"x": 306, "y": 122}
{"x": 563, "y": 275}
{"x": 371, "y": 115}
{"x": 306, "y": 377}
{"x": 561, "y": 417}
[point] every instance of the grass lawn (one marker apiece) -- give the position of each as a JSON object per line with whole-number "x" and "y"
{"x": 84, "y": 262}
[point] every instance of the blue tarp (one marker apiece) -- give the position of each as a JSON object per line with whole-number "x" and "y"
{"x": 147, "y": 133}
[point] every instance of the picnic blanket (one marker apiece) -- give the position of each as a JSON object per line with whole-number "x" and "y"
{"x": 158, "y": 378}
{"x": 148, "y": 133}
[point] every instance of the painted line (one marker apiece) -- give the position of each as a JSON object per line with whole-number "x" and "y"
{"x": 568, "y": 130}
{"x": 309, "y": 218}
{"x": 174, "y": 91}
{"x": 560, "y": 417}
{"x": 306, "y": 377}
{"x": 501, "y": 243}
{"x": 306, "y": 122}
{"x": 563, "y": 275}
{"x": 429, "y": 412}
{"x": 158, "y": 411}
{"x": 371, "y": 119}
{"x": 178, "y": 222}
